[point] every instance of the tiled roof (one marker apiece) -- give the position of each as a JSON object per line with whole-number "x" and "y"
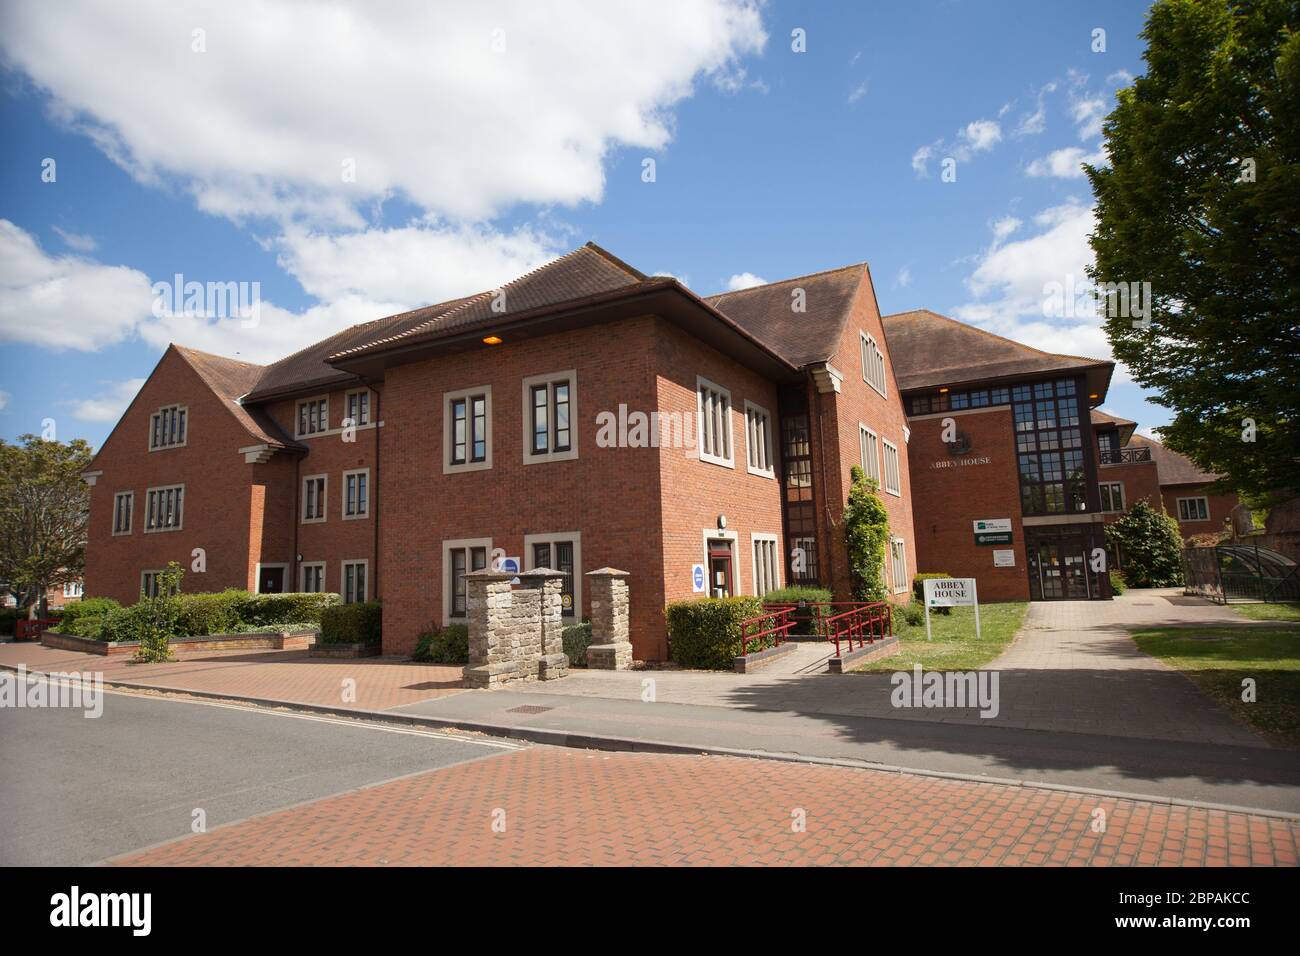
{"x": 929, "y": 349}
{"x": 1122, "y": 425}
{"x": 229, "y": 379}
{"x": 587, "y": 271}
{"x": 801, "y": 338}
{"x": 1174, "y": 468}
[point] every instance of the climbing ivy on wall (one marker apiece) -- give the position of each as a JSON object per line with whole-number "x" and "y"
{"x": 866, "y": 532}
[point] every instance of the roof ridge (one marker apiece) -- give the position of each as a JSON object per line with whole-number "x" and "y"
{"x": 225, "y": 358}
{"x": 1000, "y": 338}
{"x": 768, "y": 285}
{"x": 631, "y": 270}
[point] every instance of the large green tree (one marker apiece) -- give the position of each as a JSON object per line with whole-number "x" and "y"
{"x": 43, "y": 509}
{"x": 1201, "y": 199}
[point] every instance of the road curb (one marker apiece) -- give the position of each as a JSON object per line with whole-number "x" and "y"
{"x": 613, "y": 744}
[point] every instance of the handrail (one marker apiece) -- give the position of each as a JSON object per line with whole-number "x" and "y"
{"x": 32, "y": 628}
{"x": 782, "y": 623}
{"x": 865, "y": 622}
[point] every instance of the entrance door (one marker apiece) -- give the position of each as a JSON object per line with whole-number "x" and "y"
{"x": 720, "y": 569}
{"x": 270, "y": 581}
{"x": 1058, "y": 568}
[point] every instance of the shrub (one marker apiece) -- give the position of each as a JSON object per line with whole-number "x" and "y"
{"x": 1117, "y": 582}
{"x": 360, "y": 623}
{"x": 274, "y": 628}
{"x": 448, "y": 645}
{"x": 260, "y": 609}
{"x": 1152, "y": 547}
{"x": 157, "y": 616}
{"x": 866, "y": 532}
{"x": 705, "y": 633}
{"x": 913, "y": 614}
{"x": 221, "y": 612}
{"x": 9, "y": 617}
{"x": 918, "y": 590}
{"x": 577, "y": 638}
{"x": 805, "y": 617}
{"x": 85, "y": 617}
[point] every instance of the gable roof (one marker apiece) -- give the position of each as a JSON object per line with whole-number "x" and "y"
{"x": 802, "y": 338}
{"x": 929, "y": 350}
{"x": 229, "y": 380}
{"x": 585, "y": 272}
{"x": 1173, "y": 467}
{"x": 1124, "y": 426}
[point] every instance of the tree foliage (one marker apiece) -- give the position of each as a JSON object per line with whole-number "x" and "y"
{"x": 1202, "y": 200}
{"x": 1151, "y": 546}
{"x": 866, "y": 532}
{"x": 44, "y": 505}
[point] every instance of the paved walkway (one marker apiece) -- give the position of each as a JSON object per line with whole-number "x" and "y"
{"x": 549, "y": 807}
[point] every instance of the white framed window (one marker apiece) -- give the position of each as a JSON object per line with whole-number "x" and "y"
{"x": 893, "y": 481}
{"x": 1196, "y": 508}
{"x": 167, "y": 427}
{"x": 353, "y": 583}
{"x": 356, "y": 494}
{"x": 714, "y": 431}
{"x": 123, "y": 506}
{"x": 72, "y": 589}
{"x": 356, "y": 407}
{"x": 311, "y": 577}
{"x": 1112, "y": 495}
{"x": 873, "y": 365}
{"x": 560, "y": 551}
{"x": 869, "y": 449}
{"x": 149, "y": 581}
{"x": 767, "y": 562}
{"x": 459, "y": 557}
{"x": 758, "y": 441}
{"x": 467, "y": 430}
{"x": 164, "y": 508}
{"x": 550, "y": 417}
{"x": 314, "y": 495}
{"x": 313, "y": 416}
{"x": 897, "y": 565}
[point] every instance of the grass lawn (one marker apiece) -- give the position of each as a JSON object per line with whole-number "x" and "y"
{"x": 1218, "y": 659}
{"x": 955, "y": 646}
{"x": 1268, "y": 612}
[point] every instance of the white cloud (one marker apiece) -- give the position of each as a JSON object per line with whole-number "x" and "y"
{"x": 1031, "y": 124}
{"x": 904, "y": 278}
{"x": 457, "y": 107}
{"x": 1004, "y": 227}
{"x": 744, "y": 280}
{"x": 1066, "y": 163}
{"x": 65, "y": 302}
{"x": 975, "y": 137}
{"x": 921, "y": 159}
{"x": 77, "y": 242}
{"x": 109, "y": 404}
{"x": 858, "y": 92}
{"x": 4, "y": 400}
{"x": 1088, "y": 114}
{"x": 1120, "y": 78}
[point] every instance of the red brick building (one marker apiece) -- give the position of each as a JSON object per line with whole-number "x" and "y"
{"x": 580, "y": 416}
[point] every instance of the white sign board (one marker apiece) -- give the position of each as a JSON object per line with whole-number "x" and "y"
{"x": 950, "y": 592}
{"x": 992, "y": 524}
{"x": 1004, "y": 558}
{"x": 697, "y": 578}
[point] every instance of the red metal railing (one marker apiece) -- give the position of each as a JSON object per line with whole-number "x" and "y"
{"x": 31, "y": 630}
{"x": 774, "y": 621}
{"x": 864, "y": 623}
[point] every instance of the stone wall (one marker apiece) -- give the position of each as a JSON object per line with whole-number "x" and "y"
{"x": 610, "y": 647}
{"x": 515, "y": 633}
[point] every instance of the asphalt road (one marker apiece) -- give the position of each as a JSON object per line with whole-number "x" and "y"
{"x": 76, "y": 791}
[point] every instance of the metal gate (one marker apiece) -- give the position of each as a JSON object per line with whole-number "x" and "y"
{"x": 1240, "y": 572}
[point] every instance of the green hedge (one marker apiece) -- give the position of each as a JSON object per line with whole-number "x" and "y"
{"x": 805, "y": 617}
{"x": 448, "y": 645}
{"x": 220, "y": 612}
{"x": 85, "y": 618}
{"x": 577, "y": 638}
{"x": 360, "y": 623}
{"x": 295, "y": 608}
{"x": 918, "y": 589}
{"x": 1117, "y": 582}
{"x": 705, "y": 633}
{"x": 123, "y": 624}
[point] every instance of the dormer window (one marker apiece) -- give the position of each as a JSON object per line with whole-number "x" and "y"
{"x": 167, "y": 427}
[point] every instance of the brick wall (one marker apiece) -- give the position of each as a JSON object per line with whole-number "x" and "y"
{"x": 1220, "y": 508}
{"x": 948, "y": 497}
{"x": 217, "y": 506}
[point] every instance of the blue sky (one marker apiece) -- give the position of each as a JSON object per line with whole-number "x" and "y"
{"x": 486, "y": 141}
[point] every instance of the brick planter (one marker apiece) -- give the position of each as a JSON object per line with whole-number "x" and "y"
{"x": 344, "y": 650}
{"x": 754, "y": 660}
{"x": 284, "y": 641}
{"x": 887, "y": 647}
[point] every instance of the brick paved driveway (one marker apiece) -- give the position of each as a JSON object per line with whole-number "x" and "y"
{"x": 570, "y": 807}
{"x": 380, "y": 683}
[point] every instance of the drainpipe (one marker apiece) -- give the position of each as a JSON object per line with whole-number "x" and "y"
{"x": 826, "y": 498}
{"x": 296, "y": 583}
{"x": 374, "y": 493}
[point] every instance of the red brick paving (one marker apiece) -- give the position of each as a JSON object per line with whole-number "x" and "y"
{"x": 570, "y": 807}
{"x": 293, "y": 676}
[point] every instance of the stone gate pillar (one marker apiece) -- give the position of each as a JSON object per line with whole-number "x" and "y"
{"x": 552, "y": 662}
{"x": 610, "y": 648}
{"x": 493, "y": 637}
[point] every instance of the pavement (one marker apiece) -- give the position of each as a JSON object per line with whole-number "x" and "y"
{"x": 1079, "y": 707}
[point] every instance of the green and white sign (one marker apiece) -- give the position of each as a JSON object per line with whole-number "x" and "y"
{"x": 992, "y": 531}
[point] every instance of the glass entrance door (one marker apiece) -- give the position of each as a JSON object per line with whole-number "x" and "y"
{"x": 1058, "y": 568}
{"x": 720, "y": 569}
